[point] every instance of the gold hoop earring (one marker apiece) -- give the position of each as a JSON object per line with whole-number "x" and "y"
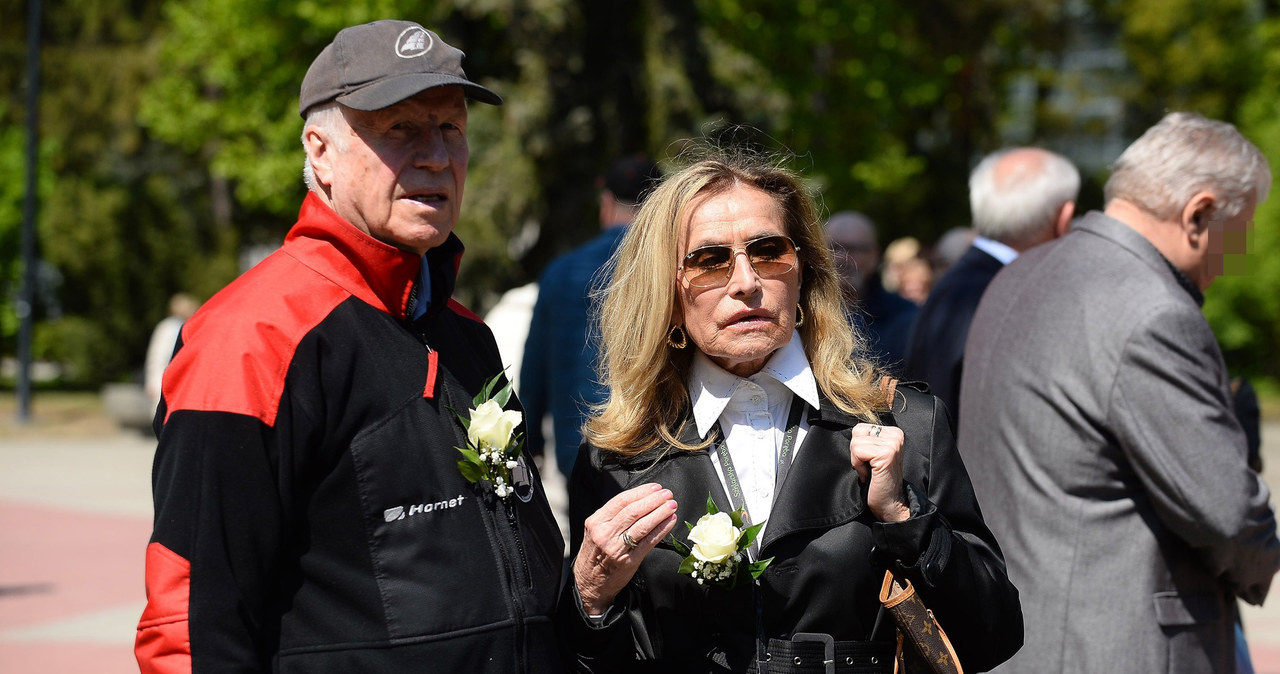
{"x": 674, "y": 343}
{"x": 799, "y": 315}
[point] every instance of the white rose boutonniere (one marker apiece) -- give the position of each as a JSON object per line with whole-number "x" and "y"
{"x": 719, "y": 547}
{"x": 493, "y": 451}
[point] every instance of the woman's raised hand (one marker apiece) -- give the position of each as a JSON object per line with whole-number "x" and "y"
{"x": 616, "y": 539}
{"x": 876, "y": 453}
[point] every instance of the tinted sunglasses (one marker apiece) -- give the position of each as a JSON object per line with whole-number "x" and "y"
{"x": 711, "y": 266}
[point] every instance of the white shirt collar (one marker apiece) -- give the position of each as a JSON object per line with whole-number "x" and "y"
{"x": 711, "y": 387}
{"x": 995, "y": 249}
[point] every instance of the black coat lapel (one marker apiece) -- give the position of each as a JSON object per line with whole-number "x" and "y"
{"x": 822, "y": 489}
{"x": 689, "y": 475}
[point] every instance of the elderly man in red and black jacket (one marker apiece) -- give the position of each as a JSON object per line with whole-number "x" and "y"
{"x": 310, "y": 512}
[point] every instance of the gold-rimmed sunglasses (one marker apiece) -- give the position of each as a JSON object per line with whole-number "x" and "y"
{"x": 711, "y": 266}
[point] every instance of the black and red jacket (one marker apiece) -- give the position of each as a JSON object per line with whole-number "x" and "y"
{"x": 309, "y": 512}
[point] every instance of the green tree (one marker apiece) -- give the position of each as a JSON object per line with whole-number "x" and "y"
{"x": 890, "y": 101}
{"x": 171, "y": 128}
{"x": 117, "y": 221}
{"x": 1199, "y": 55}
{"x": 13, "y": 177}
{"x": 886, "y": 104}
{"x": 1244, "y": 305}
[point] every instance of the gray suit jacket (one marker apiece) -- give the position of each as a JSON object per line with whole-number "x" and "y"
{"x": 1107, "y": 460}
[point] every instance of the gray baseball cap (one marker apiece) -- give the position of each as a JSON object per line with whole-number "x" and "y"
{"x": 379, "y": 64}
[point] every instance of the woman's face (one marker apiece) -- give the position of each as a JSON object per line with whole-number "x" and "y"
{"x": 741, "y": 323}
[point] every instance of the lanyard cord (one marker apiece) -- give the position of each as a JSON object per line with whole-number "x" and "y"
{"x": 785, "y": 456}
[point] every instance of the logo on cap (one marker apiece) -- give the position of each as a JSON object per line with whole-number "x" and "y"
{"x": 413, "y": 42}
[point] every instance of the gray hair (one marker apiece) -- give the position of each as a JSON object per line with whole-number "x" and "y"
{"x": 327, "y": 116}
{"x": 1019, "y": 199}
{"x": 1186, "y": 153}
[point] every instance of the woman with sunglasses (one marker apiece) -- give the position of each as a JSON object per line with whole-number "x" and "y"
{"x": 728, "y": 362}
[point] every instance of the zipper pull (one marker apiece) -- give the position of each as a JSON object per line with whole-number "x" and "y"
{"x": 411, "y": 304}
{"x": 511, "y": 511}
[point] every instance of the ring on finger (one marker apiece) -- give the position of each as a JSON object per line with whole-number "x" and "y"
{"x": 875, "y": 431}
{"x": 630, "y": 542}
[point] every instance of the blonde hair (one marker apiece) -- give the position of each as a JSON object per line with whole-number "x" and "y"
{"x": 646, "y": 376}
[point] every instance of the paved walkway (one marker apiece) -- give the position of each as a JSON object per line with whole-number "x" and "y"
{"x": 75, "y": 517}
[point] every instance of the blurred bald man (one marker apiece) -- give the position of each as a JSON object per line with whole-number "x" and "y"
{"x": 1019, "y": 197}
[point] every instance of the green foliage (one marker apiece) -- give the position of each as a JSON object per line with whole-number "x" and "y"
{"x": 229, "y": 89}
{"x": 171, "y": 135}
{"x": 1244, "y": 307}
{"x": 13, "y": 187}
{"x": 889, "y": 101}
{"x": 1189, "y": 54}
{"x": 126, "y": 229}
{"x": 82, "y": 346}
{"x": 229, "y": 93}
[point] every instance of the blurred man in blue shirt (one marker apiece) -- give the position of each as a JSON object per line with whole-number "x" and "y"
{"x": 557, "y": 374}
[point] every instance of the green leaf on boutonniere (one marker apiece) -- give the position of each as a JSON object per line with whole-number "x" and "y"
{"x": 504, "y": 395}
{"x": 749, "y": 534}
{"x": 472, "y": 472}
{"x": 680, "y": 546}
{"x": 757, "y": 568}
{"x": 486, "y": 393}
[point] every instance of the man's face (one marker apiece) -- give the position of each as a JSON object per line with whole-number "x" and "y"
{"x": 854, "y": 249}
{"x": 1222, "y": 237}
{"x": 399, "y": 175}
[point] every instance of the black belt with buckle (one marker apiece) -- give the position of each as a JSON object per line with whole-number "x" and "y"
{"x": 808, "y": 653}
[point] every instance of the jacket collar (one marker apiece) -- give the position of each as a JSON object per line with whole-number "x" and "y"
{"x": 378, "y": 273}
{"x": 999, "y": 251}
{"x": 711, "y": 387}
{"x": 1103, "y": 225}
{"x": 821, "y": 490}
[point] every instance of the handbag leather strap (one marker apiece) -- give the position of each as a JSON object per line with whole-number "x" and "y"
{"x": 889, "y": 386}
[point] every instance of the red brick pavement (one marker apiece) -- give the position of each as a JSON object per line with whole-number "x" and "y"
{"x": 68, "y": 580}
{"x": 73, "y": 534}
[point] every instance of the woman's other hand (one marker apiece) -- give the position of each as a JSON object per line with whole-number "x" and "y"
{"x": 607, "y": 559}
{"x": 876, "y": 453}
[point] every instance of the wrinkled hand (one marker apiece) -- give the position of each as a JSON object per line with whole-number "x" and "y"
{"x": 605, "y": 564}
{"x": 876, "y": 453}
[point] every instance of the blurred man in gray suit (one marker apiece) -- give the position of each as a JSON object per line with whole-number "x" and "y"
{"x": 1097, "y": 425}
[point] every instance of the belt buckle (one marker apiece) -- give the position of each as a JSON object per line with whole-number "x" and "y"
{"x": 828, "y": 648}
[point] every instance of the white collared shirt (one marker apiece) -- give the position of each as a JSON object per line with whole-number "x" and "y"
{"x": 752, "y": 413}
{"x": 995, "y": 249}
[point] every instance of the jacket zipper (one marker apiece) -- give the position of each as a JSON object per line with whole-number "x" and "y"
{"x": 515, "y": 531}
{"x": 519, "y": 575}
{"x": 517, "y": 582}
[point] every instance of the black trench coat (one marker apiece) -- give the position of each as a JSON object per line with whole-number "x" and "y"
{"x": 829, "y": 557}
